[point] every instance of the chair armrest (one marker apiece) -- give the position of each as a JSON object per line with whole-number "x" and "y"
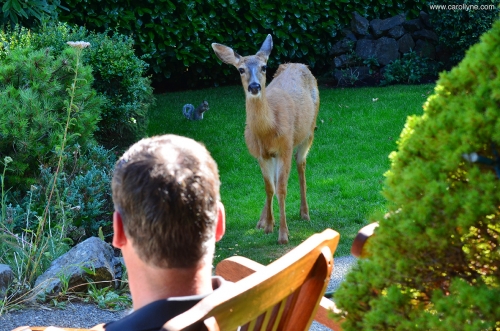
{"x": 236, "y": 268}
{"x": 358, "y": 248}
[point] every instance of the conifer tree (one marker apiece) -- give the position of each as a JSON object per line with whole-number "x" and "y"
{"x": 435, "y": 258}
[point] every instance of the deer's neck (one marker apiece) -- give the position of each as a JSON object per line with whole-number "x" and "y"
{"x": 260, "y": 117}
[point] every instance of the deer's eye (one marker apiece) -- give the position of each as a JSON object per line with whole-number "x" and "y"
{"x": 241, "y": 70}
{"x": 264, "y": 67}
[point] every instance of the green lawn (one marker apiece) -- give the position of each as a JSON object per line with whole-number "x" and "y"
{"x": 357, "y": 129}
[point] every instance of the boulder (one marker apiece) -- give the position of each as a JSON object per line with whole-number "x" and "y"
{"x": 406, "y": 43}
{"x": 425, "y": 34}
{"x": 91, "y": 254}
{"x": 341, "y": 61}
{"x": 380, "y": 27}
{"x": 359, "y": 24}
{"x": 349, "y": 35}
{"x": 365, "y": 48}
{"x": 425, "y": 18}
{"x": 413, "y": 25}
{"x": 341, "y": 47}
{"x": 396, "y": 32}
{"x": 6, "y": 277}
{"x": 385, "y": 50}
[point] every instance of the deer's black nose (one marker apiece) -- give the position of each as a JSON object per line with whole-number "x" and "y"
{"x": 254, "y": 88}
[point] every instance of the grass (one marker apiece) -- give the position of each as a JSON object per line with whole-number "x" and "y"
{"x": 357, "y": 129}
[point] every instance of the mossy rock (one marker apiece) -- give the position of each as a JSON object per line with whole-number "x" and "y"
{"x": 435, "y": 259}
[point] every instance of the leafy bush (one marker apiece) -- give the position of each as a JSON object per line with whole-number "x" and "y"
{"x": 82, "y": 193}
{"x": 411, "y": 68}
{"x": 33, "y": 99}
{"x": 460, "y": 29}
{"x": 29, "y": 13}
{"x": 118, "y": 74}
{"x": 178, "y": 34}
{"x": 435, "y": 262}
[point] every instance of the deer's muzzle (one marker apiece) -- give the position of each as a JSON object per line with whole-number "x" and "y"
{"x": 254, "y": 88}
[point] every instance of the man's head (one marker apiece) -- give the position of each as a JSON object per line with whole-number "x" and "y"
{"x": 166, "y": 192}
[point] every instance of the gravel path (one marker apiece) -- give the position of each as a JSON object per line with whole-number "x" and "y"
{"x": 87, "y": 315}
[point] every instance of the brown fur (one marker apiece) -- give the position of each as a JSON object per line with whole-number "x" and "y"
{"x": 279, "y": 118}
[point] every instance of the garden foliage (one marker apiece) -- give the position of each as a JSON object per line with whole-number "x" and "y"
{"x": 410, "y": 69}
{"x": 460, "y": 29}
{"x": 28, "y": 13}
{"x": 435, "y": 258}
{"x": 119, "y": 76}
{"x": 33, "y": 99}
{"x": 178, "y": 34}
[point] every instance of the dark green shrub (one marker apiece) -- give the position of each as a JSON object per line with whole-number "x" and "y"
{"x": 411, "y": 68}
{"x": 34, "y": 100}
{"x": 460, "y": 28}
{"x": 435, "y": 259}
{"x": 118, "y": 74}
{"x": 29, "y": 13}
{"x": 178, "y": 34}
{"x": 82, "y": 195}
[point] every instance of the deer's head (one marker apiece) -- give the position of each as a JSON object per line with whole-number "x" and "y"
{"x": 252, "y": 68}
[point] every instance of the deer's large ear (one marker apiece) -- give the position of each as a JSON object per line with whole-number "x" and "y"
{"x": 266, "y": 48}
{"x": 226, "y": 54}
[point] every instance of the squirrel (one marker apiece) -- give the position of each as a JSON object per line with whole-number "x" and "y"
{"x": 195, "y": 114}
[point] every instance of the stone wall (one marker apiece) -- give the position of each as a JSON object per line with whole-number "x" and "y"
{"x": 381, "y": 40}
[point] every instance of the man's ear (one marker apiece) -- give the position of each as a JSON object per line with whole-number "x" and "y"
{"x": 220, "y": 227}
{"x": 119, "y": 238}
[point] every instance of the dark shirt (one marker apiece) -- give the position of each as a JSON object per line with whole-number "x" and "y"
{"x": 152, "y": 316}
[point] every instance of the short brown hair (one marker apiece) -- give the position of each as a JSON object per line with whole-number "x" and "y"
{"x": 166, "y": 189}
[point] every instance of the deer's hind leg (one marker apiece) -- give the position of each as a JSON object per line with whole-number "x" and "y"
{"x": 300, "y": 158}
{"x": 266, "y": 221}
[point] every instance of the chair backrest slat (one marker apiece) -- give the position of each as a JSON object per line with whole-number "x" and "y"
{"x": 295, "y": 282}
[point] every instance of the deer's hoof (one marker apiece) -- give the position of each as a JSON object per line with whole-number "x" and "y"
{"x": 305, "y": 216}
{"x": 269, "y": 228}
{"x": 283, "y": 238}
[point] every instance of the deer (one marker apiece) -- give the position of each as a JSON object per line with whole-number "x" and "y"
{"x": 279, "y": 118}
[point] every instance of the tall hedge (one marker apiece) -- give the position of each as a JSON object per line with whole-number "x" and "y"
{"x": 178, "y": 34}
{"x": 435, "y": 259}
{"x": 459, "y": 29}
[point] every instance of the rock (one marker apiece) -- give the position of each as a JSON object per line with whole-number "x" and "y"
{"x": 359, "y": 24}
{"x": 341, "y": 47}
{"x": 385, "y": 50}
{"x": 425, "y": 49}
{"x": 365, "y": 48}
{"x": 93, "y": 254}
{"x": 349, "y": 35}
{"x": 379, "y": 27}
{"x": 425, "y": 34}
{"x": 406, "y": 43}
{"x": 396, "y": 32}
{"x": 6, "y": 277}
{"x": 413, "y": 25}
{"x": 425, "y": 18}
{"x": 341, "y": 61}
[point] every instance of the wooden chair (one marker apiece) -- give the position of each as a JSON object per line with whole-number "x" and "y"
{"x": 358, "y": 248}
{"x": 284, "y": 295}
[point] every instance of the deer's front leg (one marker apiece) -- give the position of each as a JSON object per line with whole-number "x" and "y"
{"x": 267, "y": 166}
{"x": 282, "y": 174}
